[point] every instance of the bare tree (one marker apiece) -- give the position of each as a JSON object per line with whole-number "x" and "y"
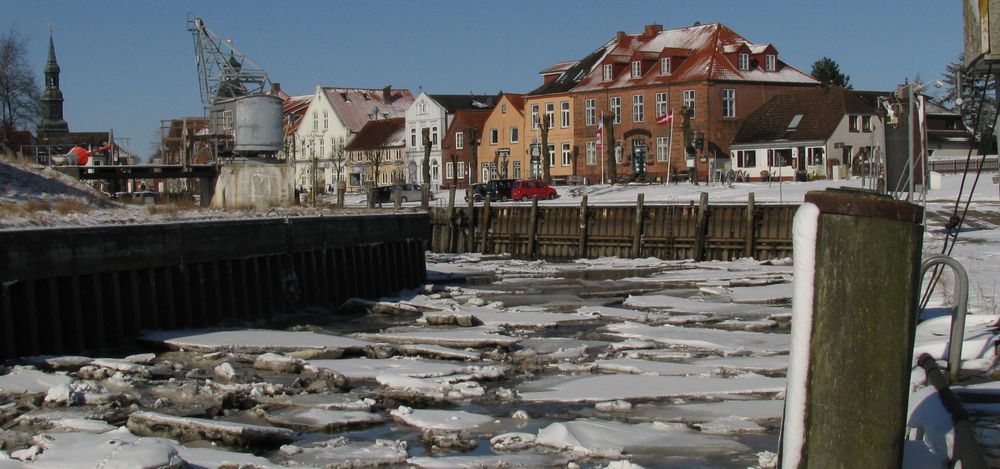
{"x": 20, "y": 100}
{"x": 609, "y": 143}
{"x": 338, "y": 159}
{"x": 426, "y": 186}
{"x": 546, "y": 164}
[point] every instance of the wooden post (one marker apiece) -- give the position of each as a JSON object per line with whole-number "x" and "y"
{"x": 857, "y": 261}
{"x": 397, "y": 197}
{"x": 533, "y": 230}
{"x": 470, "y": 238}
{"x": 484, "y": 227}
{"x": 637, "y": 226}
{"x": 751, "y": 226}
{"x": 702, "y": 228}
{"x": 450, "y": 240}
{"x": 581, "y": 250}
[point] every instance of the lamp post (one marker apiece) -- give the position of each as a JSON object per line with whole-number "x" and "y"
{"x": 911, "y": 90}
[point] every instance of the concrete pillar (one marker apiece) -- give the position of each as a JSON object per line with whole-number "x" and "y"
{"x": 857, "y": 259}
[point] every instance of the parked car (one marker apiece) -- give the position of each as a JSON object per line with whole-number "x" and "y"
{"x": 478, "y": 192}
{"x": 499, "y": 189}
{"x": 410, "y": 193}
{"x": 531, "y": 189}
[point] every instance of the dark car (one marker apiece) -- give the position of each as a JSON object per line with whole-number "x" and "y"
{"x": 531, "y": 189}
{"x": 479, "y": 192}
{"x": 409, "y": 193}
{"x": 499, "y": 189}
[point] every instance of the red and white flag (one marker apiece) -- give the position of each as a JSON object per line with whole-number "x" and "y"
{"x": 665, "y": 119}
{"x": 600, "y": 134}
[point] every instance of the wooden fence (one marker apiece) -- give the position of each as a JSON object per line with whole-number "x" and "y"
{"x": 680, "y": 231}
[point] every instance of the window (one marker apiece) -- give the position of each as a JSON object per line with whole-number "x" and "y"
{"x": 534, "y": 117}
{"x": 665, "y": 66}
{"x": 494, "y": 136}
{"x": 662, "y": 148}
{"x": 550, "y": 114}
{"x": 661, "y": 104}
{"x": 744, "y": 61}
{"x": 618, "y": 152}
{"x": 728, "y": 102}
{"x": 779, "y": 157}
{"x": 517, "y": 170}
{"x": 434, "y": 136}
{"x": 814, "y": 156}
{"x": 459, "y": 141}
{"x": 866, "y": 123}
{"x": 746, "y": 159}
{"x": 503, "y": 109}
{"x": 514, "y": 137}
{"x": 637, "y": 108}
{"x": 590, "y": 111}
{"x": 227, "y": 122}
{"x": 607, "y": 72}
{"x": 566, "y": 160}
{"x": 315, "y": 121}
{"x": 616, "y": 109}
{"x": 853, "y": 123}
{"x": 449, "y": 170}
{"x": 552, "y": 155}
{"x": 564, "y": 112}
{"x": 461, "y": 169}
{"x": 770, "y": 62}
{"x": 326, "y": 120}
{"x": 688, "y": 101}
{"x": 413, "y": 137}
{"x": 591, "y": 153}
{"x": 322, "y": 148}
{"x": 636, "y": 69}
{"x": 435, "y": 171}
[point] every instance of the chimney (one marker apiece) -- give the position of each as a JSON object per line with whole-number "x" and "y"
{"x": 652, "y": 30}
{"x": 387, "y": 94}
{"x": 620, "y": 36}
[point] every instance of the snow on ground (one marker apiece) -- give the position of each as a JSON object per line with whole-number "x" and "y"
{"x": 612, "y": 439}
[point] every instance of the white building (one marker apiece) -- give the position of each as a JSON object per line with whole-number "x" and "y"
{"x": 330, "y": 121}
{"x": 435, "y": 113}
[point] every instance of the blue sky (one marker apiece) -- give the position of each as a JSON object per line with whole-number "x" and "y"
{"x": 126, "y": 65}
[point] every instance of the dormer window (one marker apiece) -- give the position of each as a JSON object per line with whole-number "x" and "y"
{"x": 665, "y": 66}
{"x": 770, "y": 62}
{"x": 607, "y": 72}
{"x": 744, "y": 61}
{"x": 636, "y": 69}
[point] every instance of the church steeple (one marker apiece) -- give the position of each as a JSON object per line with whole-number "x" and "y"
{"x": 52, "y": 99}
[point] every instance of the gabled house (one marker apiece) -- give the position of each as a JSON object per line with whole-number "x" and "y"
{"x": 637, "y": 78}
{"x": 457, "y": 145}
{"x": 331, "y": 120}
{"x": 375, "y": 155}
{"x": 947, "y": 135}
{"x": 503, "y": 144}
{"x": 826, "y": 132}
{"x": 434, "y": 113}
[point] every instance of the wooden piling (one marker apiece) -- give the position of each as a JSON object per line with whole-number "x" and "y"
{"x": 451, "y": 245}
{"x": 750, "y": 223}
{"x": 470, "y": 237}
{"x": 857, "y": 258}
{"x": 484, "y": 227}
{"x": 637, "y": 225}
{"x": 533, "y": 230}
{"x": 702, "y": 228}
{"x": 581, "y": 249}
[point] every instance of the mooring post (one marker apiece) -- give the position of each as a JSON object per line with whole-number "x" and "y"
{"x": 450, "y": 239}
{"x": 702, "y": 228}
{"x": 581, "y": 250}
{"x": 533, "y": 229}
{"x": 750, "y": 227}
{"x": 470, "y": 238}
{"x": 484, "y": 227}
{"x": 637, "y": 226}
{"x": 857, "y": 260}
{"x": 397, "y": 197}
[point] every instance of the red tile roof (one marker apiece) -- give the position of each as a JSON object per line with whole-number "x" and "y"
{"x": 516, "y": 100}
{"x": 355, "y": 106}
{"x": 383, "y": 133}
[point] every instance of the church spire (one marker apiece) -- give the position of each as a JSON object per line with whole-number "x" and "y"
{"x": 52, "y": 99}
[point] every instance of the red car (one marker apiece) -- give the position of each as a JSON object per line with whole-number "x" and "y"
{"x": 529, "y": 189}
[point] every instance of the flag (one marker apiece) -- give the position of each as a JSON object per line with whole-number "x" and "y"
{"x": 600, "y": 134}
{"x": 665, "y": 119}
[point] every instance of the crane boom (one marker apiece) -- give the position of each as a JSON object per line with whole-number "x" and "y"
{"x": 223, "y": 71}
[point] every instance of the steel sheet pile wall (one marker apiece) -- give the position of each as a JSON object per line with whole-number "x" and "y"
{"x": 77, "y": 289}
{"x": 684, "y": 231}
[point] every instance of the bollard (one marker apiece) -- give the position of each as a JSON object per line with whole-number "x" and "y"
{"x": 857, "y": 259}
{"x": 637, "y": 225}
{"x": 581, "y": 250}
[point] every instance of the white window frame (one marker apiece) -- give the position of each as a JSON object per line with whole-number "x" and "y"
{"x": 689, "y": 99}
{"x": 434, "y": 137}
{"x": 552, "y": 155}
{"x": 607, "y": 72}
{"x": 636, "y": 69}
{"x": 771, "y": 62}
{"x": 517, "y": 170}
{"x": 503, "y": 109}
{"x": 661, "y": 104}
{"x": 315, "y": 121}
{"x": 590, "y": 111}
{"x": 662, "y": 148}
{"x": 591, "y": 152}
{"x": 514, "y": 135}
{"x": 665, "y": 66}
{"x": 550, "y": 113}
{"x": 534, "y": 117}
{"x": 326, "y": 120}
{"x": 616, "y": 108}
{"x": 728, "y": 103}
{"x": 449, "y": 170}
{"x": 744, "y": 61}
{"x": 459, "y": 141}
{"x": 566, "y": 155}
{"x": 564, "y": 114}
{"x": 461, "y": 170}
{"x": 638, "y": 108}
